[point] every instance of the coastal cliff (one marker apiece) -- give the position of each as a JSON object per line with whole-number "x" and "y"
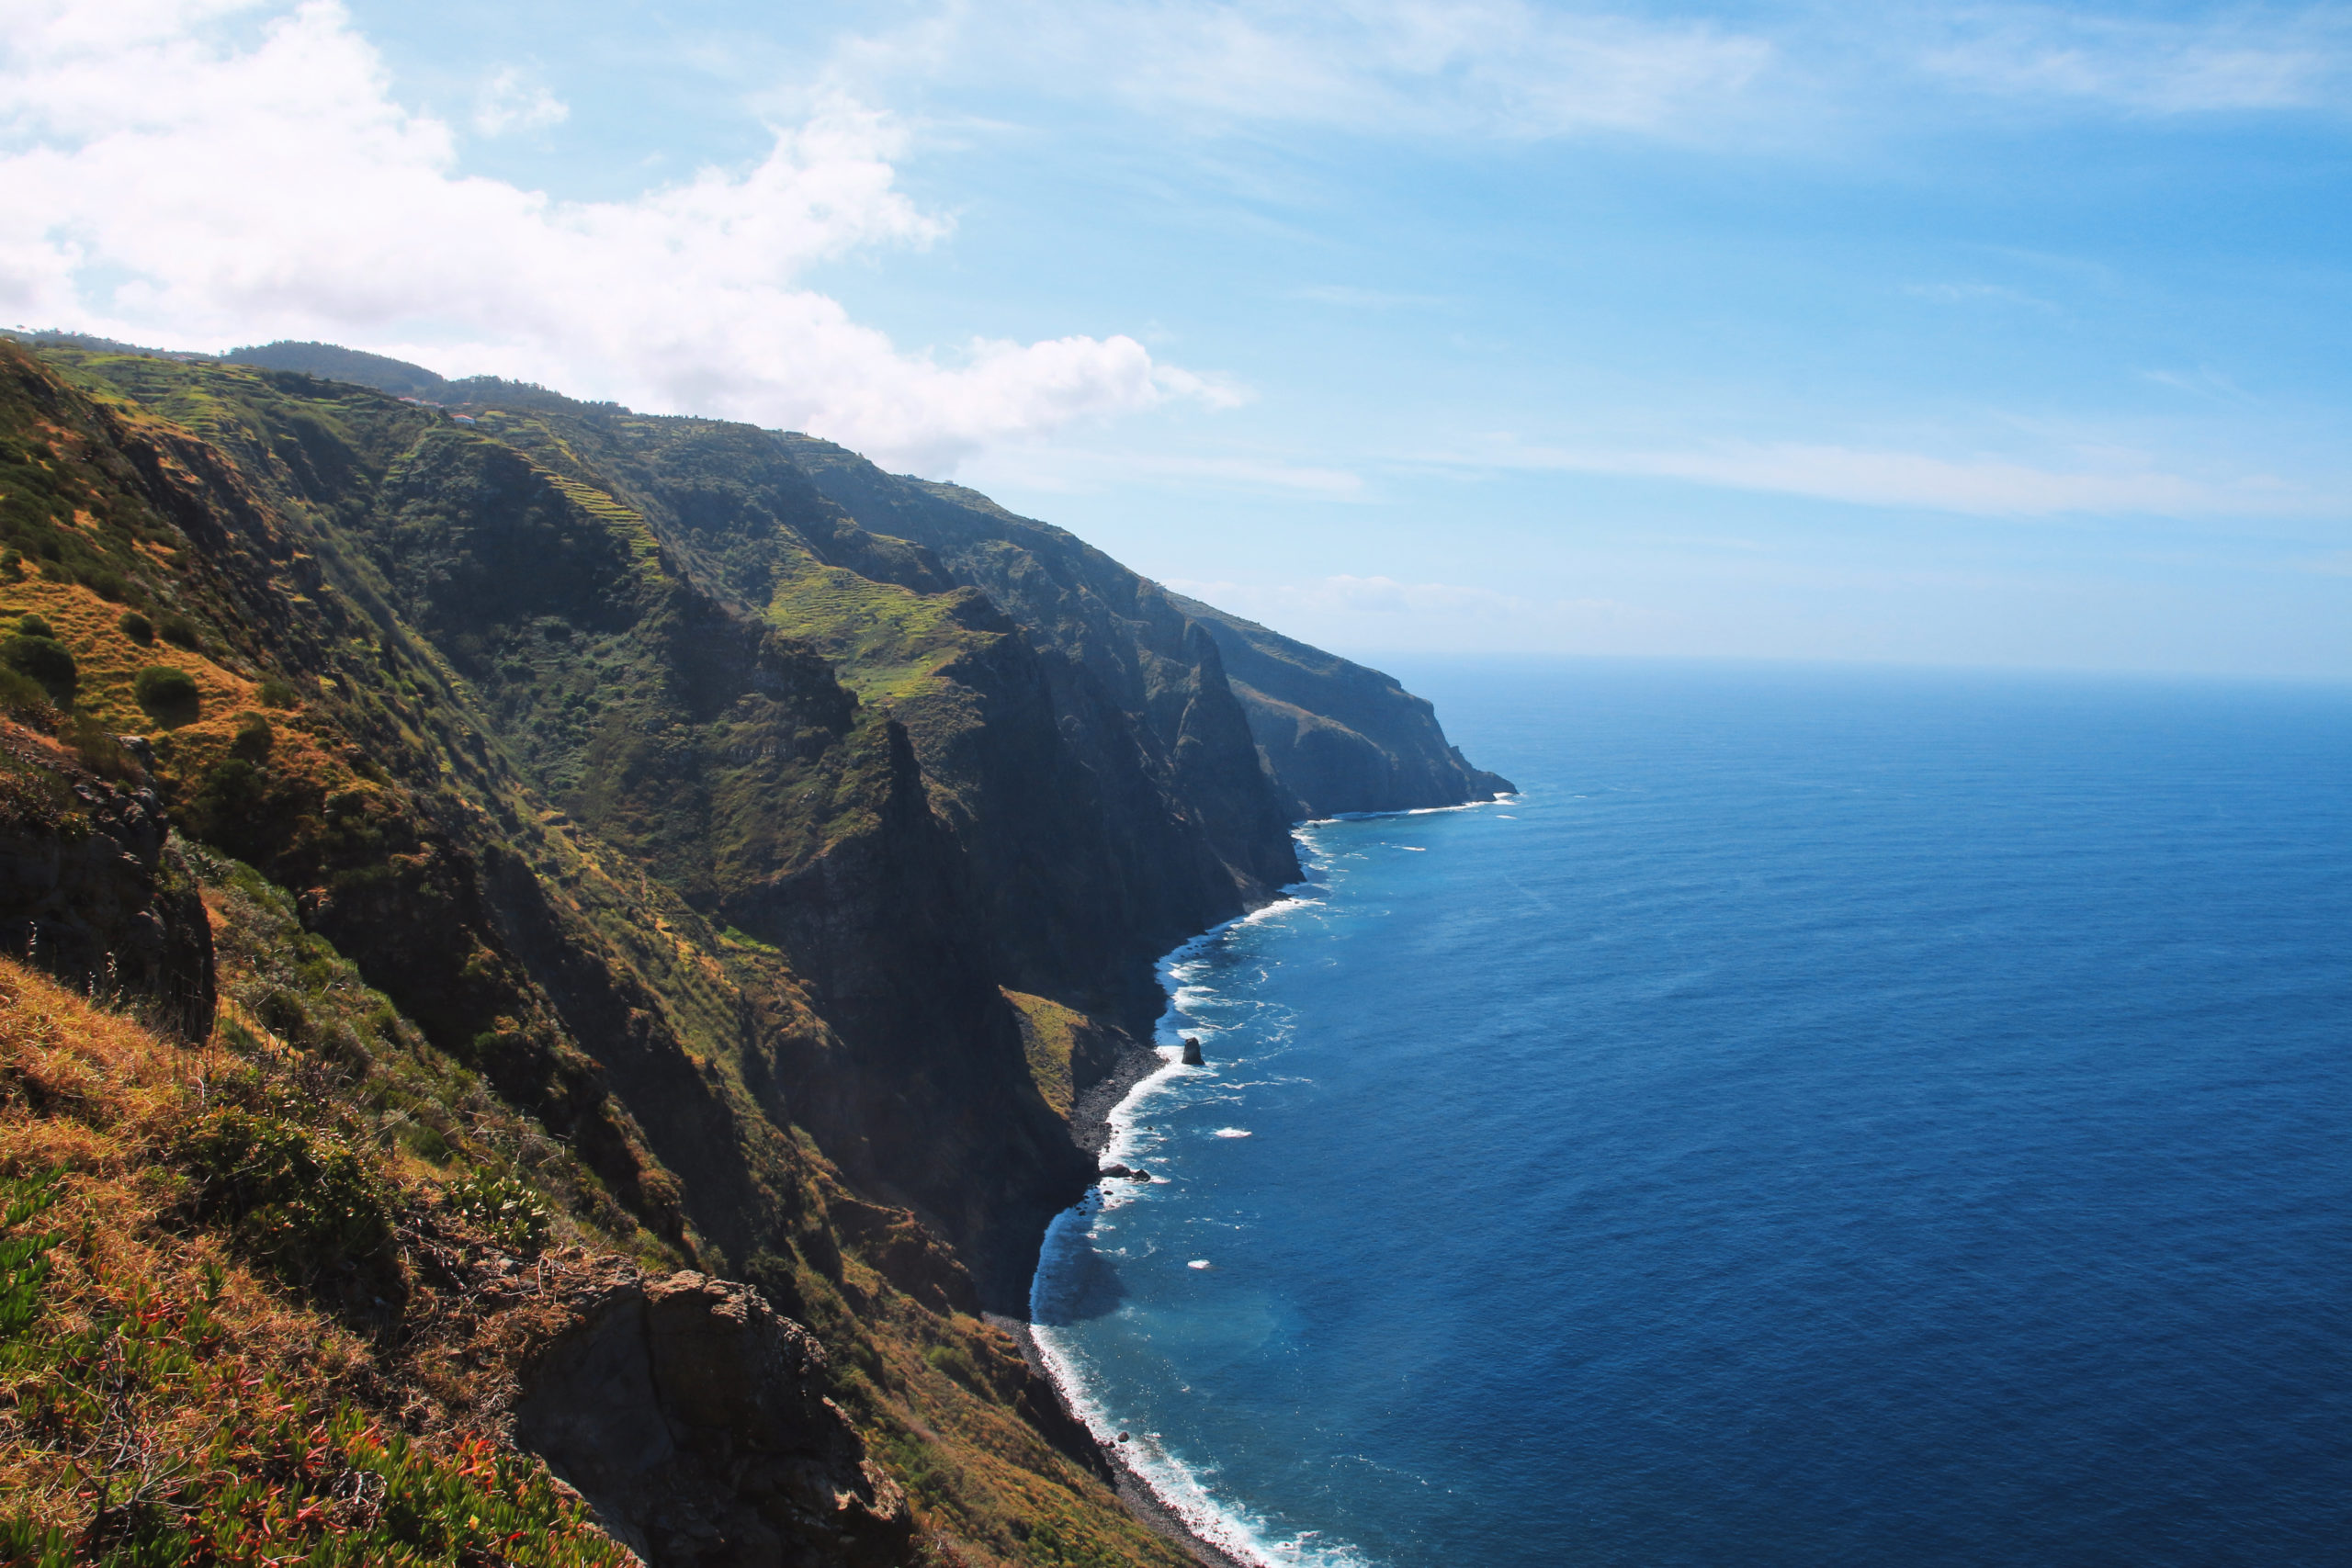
{"x": 1338, "y": 735}
{"x": 737, "y": 826}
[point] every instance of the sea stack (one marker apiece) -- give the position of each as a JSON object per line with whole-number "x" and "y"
{"x": 1193, "y": 1052}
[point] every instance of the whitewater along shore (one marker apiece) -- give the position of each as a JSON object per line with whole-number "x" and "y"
{"x": 1134, "y": 1491}
{"x": 1089, "y": 1119}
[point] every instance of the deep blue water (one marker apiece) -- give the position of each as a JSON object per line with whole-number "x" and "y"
{"x": 1828, "y": 1119}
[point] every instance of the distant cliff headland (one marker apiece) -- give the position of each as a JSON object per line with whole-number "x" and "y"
{"x": 586, "y": 846}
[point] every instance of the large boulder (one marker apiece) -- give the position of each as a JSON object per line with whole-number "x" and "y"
{"x": 693, "y": 1418}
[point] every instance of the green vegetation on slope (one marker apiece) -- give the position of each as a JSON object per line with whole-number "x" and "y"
{"x": 478, "y": 922}
{"x": 189, "y": 1379}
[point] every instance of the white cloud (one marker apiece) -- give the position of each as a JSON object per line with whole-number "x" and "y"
{"x": 1352, "y": 596}
{"x": 509, "y": 102}
{"x": 1981, "y": 486}
{"x": 1350, "y": 298}
{"x": 2242, "y": 59}
{"x": 1378, "y": 615}
{"x": 161, "y": 184}
{"x": 1976, "y": 294}
{"x": 1502, "y": 68}
{"x": 1068, "y": 468}
{"x": 2203, "y": 382}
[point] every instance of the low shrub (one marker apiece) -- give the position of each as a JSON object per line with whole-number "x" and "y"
{"x": 336, "y": 1491}
{"x": 282, "y": 1012}
{"x": 276, "y": 693}
{"x": 291, "y": 1198}
{"x": 45, "y": 661}
{"x": 180, "y": 632}
{"x": 27, "y": 700}
{"x": 24, "y": 1252}
{"x": 957, "y": 1363}
{"x": 137, "y": 628}
{"x": 500, "y": 1207}
{"x": 168, "y": 695}
{"x": 255, "y": 740}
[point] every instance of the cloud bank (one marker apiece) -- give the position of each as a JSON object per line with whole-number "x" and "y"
{"x": 2234, "y": 59}
{"x": 1483, "y": 68}
{"x": 1984, "y": 487}
{"x": 1515, "y": 71}
{"x": 170, "y": 171}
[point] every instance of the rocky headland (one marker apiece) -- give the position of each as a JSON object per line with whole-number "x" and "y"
{"x": 745, "y": 865}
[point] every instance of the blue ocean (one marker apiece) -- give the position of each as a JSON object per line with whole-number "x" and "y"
{"x": 1827, "y": 1118}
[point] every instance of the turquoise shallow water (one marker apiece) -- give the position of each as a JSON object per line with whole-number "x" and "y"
{"x": 1827, "y": 1119}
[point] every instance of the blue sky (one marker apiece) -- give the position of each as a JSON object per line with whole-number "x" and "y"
{"x": 2000, "y": 334}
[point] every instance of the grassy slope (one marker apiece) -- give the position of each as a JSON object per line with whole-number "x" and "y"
{"x": 403, "y": 765}
{"x": 176, "y": 1392}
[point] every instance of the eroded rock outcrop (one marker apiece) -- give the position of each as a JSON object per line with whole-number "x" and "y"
{"x": 693, "y": 1418}
{"x": 93, "y": 891}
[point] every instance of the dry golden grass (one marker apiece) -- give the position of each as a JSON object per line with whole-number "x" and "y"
{"x": 93, "y": 1095}
{"x": 168, "y": 1395}
{"x": 1048, "y": 1034}
{"x": 108, "y": 662}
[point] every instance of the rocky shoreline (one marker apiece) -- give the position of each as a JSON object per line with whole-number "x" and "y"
{"x": 1090, "y": 1125}
{"x": 1134, "y": 1491}
{"x": 1090, "y": 1107}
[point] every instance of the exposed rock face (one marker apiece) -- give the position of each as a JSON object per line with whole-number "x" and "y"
{"x": 1336, "y": 735}
{"x": 714, "y": 831}
{"x": 93, "y": 891}
{"x": 693, "y": 1418}
{"x": 1122, "y": 642}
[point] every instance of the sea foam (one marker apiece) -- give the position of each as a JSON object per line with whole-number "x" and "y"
{"x": 1185, "y": 1490}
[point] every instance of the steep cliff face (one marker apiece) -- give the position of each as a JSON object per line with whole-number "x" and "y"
{"x": 790, "y": 841}
{"x": 1115, "y": 740}
{"x": 581, "y": 821}
{"x": 1336, "y": 735}
{"x": 1128, "y": 637}
{"x": 92, "y": 890}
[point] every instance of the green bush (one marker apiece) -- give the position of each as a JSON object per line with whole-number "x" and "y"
{"x": 276, "y": 694}
{"x": 286, "y": 1015}
{"x": 957, "y": 1363}
{"x": 137, "y": 628}
{"x": 34, "y": 625}
{"x": 45, "y": 661}
{"x": 290, "y": 1199}
{"x": 168, "y": 695}
{"x": 279, "y": 1480}
{"x": 500, "y": 1207}
{"x": 255, "y": 740}
{"x": 180, "y": 632}
{"x": 25, "y": 700}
